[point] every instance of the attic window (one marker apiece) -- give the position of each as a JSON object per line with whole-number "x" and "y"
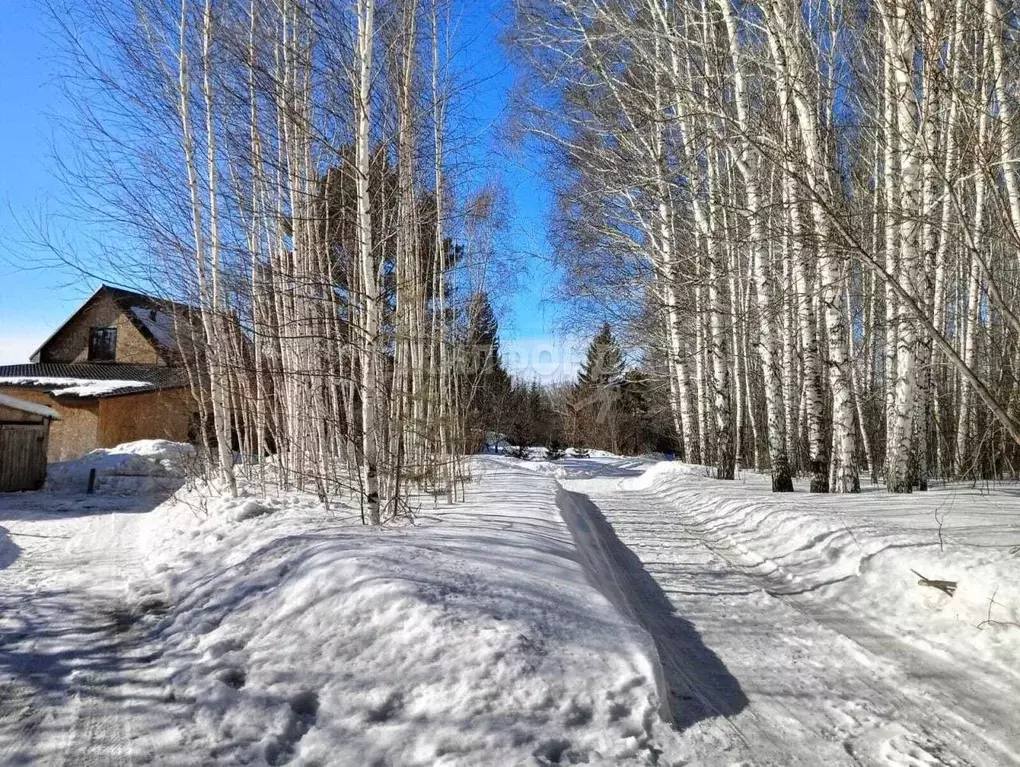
{"x": 103, "y": 345}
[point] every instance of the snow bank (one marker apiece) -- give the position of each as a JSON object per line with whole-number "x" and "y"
{"x": 598, "y": 463}
{"x": 540, "y": 452}
{"x": 471, "y": 638}
{"x": 145, "y": 466}
{"x": 600, "y": 454}
{"x": 663, "y": 470}
{"x": 863, "y": 551}
{"x": 567, "y": 468}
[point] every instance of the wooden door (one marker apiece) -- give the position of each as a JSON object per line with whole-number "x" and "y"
{"x": 22, "y": 456}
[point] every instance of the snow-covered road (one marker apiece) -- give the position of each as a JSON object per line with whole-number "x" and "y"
{"x": 508, "y": 629}
{"x": 269, "y": 631}
{"x": 69, "y": 645}
{"x": 758, "y": 674}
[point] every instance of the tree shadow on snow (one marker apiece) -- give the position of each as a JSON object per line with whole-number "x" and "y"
{"x": 43, "y": 506}
{"x": 698, "y": 685}
{"x": 63, "y": 659}
{"x": 9, "y": 550}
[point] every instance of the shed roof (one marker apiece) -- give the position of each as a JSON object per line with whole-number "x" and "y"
{"x": 92, "y": 380}
{"x": 28, "y": 407}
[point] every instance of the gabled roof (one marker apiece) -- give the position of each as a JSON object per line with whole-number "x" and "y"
{"x": 89, "y": 380}
{"x": 28, "y": 407}
{"x": 157, "y": 319}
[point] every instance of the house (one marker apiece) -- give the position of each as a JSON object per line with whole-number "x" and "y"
{"x": 112, "y": 373}
{"x": 24, "y": 433}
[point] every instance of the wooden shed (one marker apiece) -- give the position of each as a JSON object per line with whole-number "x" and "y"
{"x": 24, "y": 434}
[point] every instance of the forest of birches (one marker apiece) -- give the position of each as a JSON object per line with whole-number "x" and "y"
{"x": 788, "y": 231}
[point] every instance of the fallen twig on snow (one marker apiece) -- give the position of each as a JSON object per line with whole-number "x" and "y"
{"x": 989, "y": 621}
{"x": 940, "y": 521}
{"x": 947, "y": 587}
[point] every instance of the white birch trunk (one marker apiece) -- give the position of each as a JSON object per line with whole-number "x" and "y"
{"x": 369, "y": 269}
{"x": 899, "y": 55}
{"x": 768, "y": 348}
{"x": 972, "y": 318}
{"x": 783, "y": 27}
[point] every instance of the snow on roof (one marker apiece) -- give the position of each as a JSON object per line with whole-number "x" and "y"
{"x": 28, "y": 407}
{"x": 154, "y": 317}
{"x": 76, "y": 387}
{"x": 159, "y": 323}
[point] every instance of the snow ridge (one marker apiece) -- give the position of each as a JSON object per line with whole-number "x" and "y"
{"x": 473, "y": 637}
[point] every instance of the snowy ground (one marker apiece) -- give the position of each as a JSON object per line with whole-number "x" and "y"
{"x": 272, "y": 632}
{"x": 811, "y": 640}
{"x": 600, "y": 610}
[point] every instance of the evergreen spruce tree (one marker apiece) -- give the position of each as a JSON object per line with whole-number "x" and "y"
{"x": 483, "y": 335}
{"x": 555, "y": 450}
{"x": 486, "y": 382}
{"x": 532, "y": 417}
{"x": 635, "y": 432}
{"x": 596, "y": 396}
{"x": 603, "y": 363}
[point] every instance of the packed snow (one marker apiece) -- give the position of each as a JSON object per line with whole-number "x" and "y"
{"x": 595, "y": 610}
{"x": 28, "y": 407}
{"x": 142, "y": 467}
{"x": 871, "y": 550}
{"x": 270, "y": 630}
{"x": 818, "y": 644}
{"x": 75, "y": 387}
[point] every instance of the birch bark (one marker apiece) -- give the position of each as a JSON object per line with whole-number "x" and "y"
{"x": 371, "y": 298}
{"x": 768, "y": 349}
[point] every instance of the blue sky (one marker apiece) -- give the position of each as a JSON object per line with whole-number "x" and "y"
{"x": 34, "y": 300}
{"x": 31, "y": 300}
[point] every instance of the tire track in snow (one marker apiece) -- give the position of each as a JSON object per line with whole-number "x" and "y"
{"x": 817, "y": 694}
{"x": 70, "y": 649}
{"x": 938, "y": 678}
